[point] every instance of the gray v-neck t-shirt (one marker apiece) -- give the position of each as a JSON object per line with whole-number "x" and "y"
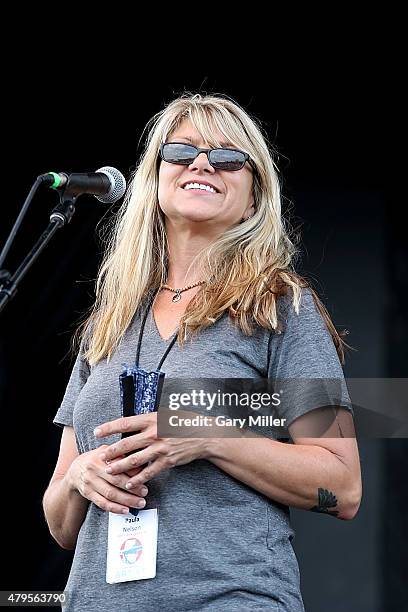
{"x": 222, "y": 545}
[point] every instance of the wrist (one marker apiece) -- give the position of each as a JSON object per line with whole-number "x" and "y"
{"x": 223, "y": 448}
{"x": 70, "y": 481}
{"x": 211, "y": 448}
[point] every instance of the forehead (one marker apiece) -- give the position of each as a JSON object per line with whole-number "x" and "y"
{"x": 186, "y": 131}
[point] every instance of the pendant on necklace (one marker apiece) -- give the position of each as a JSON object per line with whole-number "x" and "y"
{"x": 177, "y": 297}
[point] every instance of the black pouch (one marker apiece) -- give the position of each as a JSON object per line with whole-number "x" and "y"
{"x": 140, "y": 393}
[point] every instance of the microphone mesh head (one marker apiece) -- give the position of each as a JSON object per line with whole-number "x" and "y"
{"x": 118, "y": 185}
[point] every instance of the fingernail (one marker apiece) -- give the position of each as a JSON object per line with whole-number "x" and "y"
{"x": 125, "y": 511}
{"x": 128, "y": 485}
{"x": 141, "y": 503}
{"x": 97, "y": 432}
{"x": 108, "y": 470}
{"x": 144, "y": 490}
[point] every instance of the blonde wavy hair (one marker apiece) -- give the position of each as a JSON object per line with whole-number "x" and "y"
{"x": 247, "y": 268}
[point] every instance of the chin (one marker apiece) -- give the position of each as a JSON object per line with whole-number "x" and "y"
{"x": 195, "y": 218}
{"x": 191, "y": 214}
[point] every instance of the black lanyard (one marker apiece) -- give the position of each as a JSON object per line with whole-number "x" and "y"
{"x": 139, "y": 342}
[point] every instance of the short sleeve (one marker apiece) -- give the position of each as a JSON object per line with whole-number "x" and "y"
{"x": 304, "y": 361}
{"x": 77, "y": 380}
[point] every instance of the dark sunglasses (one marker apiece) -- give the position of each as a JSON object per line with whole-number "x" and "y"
{"x": 185, "y": 154}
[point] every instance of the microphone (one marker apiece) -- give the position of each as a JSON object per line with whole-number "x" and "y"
{"x": 107, "y": 184}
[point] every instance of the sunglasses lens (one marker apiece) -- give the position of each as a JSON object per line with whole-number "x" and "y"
{"x": 222, "y": 159}
{"x": 226, "y": 159}
{"x": 179, "y": 153}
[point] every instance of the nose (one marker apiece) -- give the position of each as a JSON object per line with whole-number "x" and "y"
{"x": 201, "y": 162}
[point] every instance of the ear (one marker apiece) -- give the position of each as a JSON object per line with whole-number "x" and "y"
{"x": 250, "y": 210}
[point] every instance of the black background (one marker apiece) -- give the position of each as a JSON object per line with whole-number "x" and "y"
{"x": 339, "y": 177}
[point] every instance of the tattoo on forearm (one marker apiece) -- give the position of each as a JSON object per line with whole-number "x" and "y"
{"x": 327, "y": 500}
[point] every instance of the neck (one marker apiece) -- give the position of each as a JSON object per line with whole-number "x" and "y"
{"x": 184, "y": 244}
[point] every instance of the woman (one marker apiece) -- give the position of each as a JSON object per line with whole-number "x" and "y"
{"x": 199, "y": 272}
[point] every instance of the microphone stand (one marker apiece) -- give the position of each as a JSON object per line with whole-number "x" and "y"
{"x": 60, "y": 216}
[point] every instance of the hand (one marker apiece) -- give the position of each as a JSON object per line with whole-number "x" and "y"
{"x": 163, "y": 453}
{"x": 87, "y": 475}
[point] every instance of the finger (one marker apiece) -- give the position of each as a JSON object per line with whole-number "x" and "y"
{"x": 116, "y": 495}
{"x": 108, "y": 506}
{"x": 102, "y": 458}
{"x": 131, "y": 473}
{"x": 125, "y": 446}
{"x": 120, "y": 481}
{"x": 132, "y": 461}
{"x": 140, "y": 491}
{"x": 152, "y": 470}
{"x": 125, "y": 424}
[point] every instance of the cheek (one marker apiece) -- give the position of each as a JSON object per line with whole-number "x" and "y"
{"x": 168, "y": 177}
{"x": 239, "y": 188}
{"x": 164, "y": 185}
{"x": 161, "y": 190}
{"x": 246, "y": 188}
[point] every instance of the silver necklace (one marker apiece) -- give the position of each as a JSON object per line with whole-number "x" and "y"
{"x": 178, "y": 292}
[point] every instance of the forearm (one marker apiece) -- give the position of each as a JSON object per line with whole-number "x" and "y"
{"x": 65, "y": 510}
{"x": 292, "y": 474}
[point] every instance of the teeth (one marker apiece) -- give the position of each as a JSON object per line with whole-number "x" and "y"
{"x": 199, "y": 186}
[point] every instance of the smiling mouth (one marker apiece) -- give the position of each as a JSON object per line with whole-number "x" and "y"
{"x": 192, "y": 185}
